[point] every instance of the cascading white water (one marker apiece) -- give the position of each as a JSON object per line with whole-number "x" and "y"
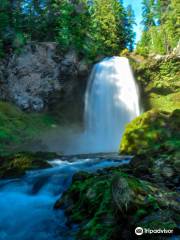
{"x": 111, "y": 102}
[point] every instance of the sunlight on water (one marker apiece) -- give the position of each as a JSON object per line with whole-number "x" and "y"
{"x": 111, "y": 102}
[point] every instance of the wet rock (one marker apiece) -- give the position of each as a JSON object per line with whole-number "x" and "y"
{"x": 58, "y": 204}
{"x": 80, "y": 176}
{"x": 26, "y": 102}
{"x": 15, "y": 165}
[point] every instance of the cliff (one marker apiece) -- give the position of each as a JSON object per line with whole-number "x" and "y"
{"x": 40, "y": 77}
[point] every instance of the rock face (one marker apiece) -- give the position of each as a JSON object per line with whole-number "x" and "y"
{"x": 39, "y": 74}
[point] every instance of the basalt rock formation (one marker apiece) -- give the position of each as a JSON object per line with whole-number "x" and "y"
{"x": 40, "y": 76}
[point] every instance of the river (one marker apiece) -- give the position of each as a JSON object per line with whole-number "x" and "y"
{"x": 26, "y": 204}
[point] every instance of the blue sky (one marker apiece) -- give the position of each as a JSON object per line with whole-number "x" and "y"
{"x": 137, "y": 7}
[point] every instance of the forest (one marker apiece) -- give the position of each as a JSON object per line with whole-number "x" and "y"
{"x": 91, "y": 27}
{"x": 89, "y": 119}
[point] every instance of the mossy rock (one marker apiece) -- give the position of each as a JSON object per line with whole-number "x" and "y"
{"x": 159, "y": 83}
{"x": 152, "y": 132}
{"x": 15, "y": 165}
{"x": 154, "y": 140}
{"x": 111, "y": 204}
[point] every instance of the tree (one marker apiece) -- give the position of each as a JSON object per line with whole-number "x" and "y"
{"x": 103, "y": 32}
{"x": 99, "y": 27}
{"x": 144, "y": 44}
{"x": 72, "y": 24}
{"x": 161, "y": 24}
{"x": 148, "y": 14}
{"x": 129, "y": 27}
{"x": 92, "y": 27}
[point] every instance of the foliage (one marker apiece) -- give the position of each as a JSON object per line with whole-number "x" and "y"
{"x": 18, "y": 128}
{"x": 148, "y": 14}
{"x": 152, "y": 132}
{"x": 72, "y": 24}
{"x": 159, "y": 83}
{"x": 98, "y": 28}
{"x": 130, "y": 24}
{"x": 91, "y": 27}
{"x": 4, "y": 22}
{"x": 161, "y": 27}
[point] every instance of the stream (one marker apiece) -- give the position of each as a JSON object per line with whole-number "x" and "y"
{"x": 26, "y": 204}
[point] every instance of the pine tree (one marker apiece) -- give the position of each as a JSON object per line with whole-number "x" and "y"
{"x": 92, "y": 27}
{"x": 129, "y": 26}
{"x": 99, "y": 27}
{"x": 161, "y": 24}
{"x": 4, "y": 24}
{"x": 148, "y": 14}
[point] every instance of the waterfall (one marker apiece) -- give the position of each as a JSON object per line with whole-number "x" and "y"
{"x": 111, "y": 102}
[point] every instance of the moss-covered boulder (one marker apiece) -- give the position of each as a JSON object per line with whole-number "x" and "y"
{"x": 152, "y": 132}
{"x": 111, "y": 204}
{"x": 15, "y": 165}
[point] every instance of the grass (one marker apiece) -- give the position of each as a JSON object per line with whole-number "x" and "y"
{"x": 18, "y": 128}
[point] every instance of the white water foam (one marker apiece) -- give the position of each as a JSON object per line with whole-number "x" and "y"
{"x": 112, "y": 100}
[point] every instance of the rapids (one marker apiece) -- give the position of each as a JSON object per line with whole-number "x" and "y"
{"x": 26, "y": 204}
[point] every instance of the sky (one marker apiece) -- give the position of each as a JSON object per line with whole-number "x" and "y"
{"x": 137, "y": 7}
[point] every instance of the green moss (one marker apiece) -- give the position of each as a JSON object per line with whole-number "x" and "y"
{"x": 18, "y": 128}
{"x": 154, "y": 140}
{"x": 15, "y": 165}
{"x": 92, "y": 206}
{"x": 95, "y": 201}
{"x": 168, "y": 102}
{"x": 159, "y": 83}
{"x": 151, "y": 132}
